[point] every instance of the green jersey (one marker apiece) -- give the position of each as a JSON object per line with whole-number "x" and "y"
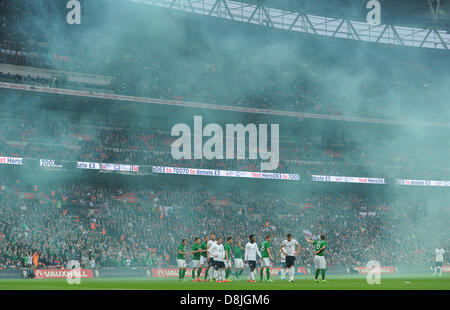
{"x": 320, "y": 244}
{"x": 181, "y": 248}
{"x": 227, "y": 248}
{"x": 195, "y": 247}
{"x": 237, "y": 251}
{"x": 264, "y": 246}
{"x": 203, "y": 246}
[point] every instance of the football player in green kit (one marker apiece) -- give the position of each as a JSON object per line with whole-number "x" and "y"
{"x": 203, "y": 259}
{"x": 238, "y": 261}
{"x": 228, "y": 256}
{"x": 319, "y": 258}
{"x": 267, "y": 259}
{"x": 196, "y": 250}
{"x": 181, "y": 260}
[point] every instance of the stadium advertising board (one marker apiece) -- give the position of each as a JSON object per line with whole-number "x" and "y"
{"x": 49, "y": 163}
{"x": 301, "y": 270}
{"x": 171, "y": 272}
{"x": 225, "y": 173}
{"x": 63, "y": 273}
{"x": 383, "y": 269}
{"x": 107, "y": 167}
{"x": 344, "y": 179}
{"x": 119, "y": 167}
{"x": 422, "y": 182}
{"x": 11, "y": 160}
{"x": 275, "y": 271}
{"x": 88, "y": 165}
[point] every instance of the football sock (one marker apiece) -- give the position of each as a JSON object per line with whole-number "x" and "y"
{"x": 268, "y": 273}
{"x": 317, "y": 273}
{"x": 291, "y": 272}
{"x": 323, "y": 274}
{"x": 261, "y": 274}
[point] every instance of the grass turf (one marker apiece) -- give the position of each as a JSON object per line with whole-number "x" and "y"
{"x": 336, "y": 282}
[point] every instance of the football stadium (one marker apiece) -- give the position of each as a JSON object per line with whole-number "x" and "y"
{"x": 225, "y": 145}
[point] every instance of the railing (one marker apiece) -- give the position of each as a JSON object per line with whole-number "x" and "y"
{"x": 311, "y": 24}
{"x": 198, "y": 105}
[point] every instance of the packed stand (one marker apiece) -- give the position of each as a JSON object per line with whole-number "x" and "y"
{"x": 120, "y": 226}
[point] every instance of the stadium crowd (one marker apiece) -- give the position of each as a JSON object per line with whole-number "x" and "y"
{"x": 305, "y": 153}
{"x": 164, "y": 66}
{"x": 105, "y": 225}
{"x": 108, "y": 225}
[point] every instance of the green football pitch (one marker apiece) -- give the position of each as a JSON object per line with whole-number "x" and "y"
{"x": 336, "y": 282}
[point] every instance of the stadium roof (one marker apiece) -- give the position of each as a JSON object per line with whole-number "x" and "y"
{"x": 400, "y": 12}
{"x": 398, "y": 24}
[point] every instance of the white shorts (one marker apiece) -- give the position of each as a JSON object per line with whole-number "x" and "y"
{"x": 319, "y": 262}
{"x": 203, "y": 261}
{"x": 228, "y": 264}
{"x": 181, "y": 263}
{"x": 196, "y": 263}
{"x": 238, "y": 263}
{"x": 266, "y": 262}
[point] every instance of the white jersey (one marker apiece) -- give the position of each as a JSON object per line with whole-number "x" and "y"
{"x": 251, "y": 251}
{"x": 439, "y": 255}
{"x": 289, "y": 246}
{"x": 282, "y": 257}
{"x": 217, "y": 252}
{"x": 210, "y": 243}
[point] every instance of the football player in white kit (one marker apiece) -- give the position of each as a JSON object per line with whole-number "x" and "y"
{"x": 283, "y": 266}
{"x": 290, "y": 248}
{"x": 251, "y": 254}
{"x": 439, "y": 260}
{"x": 212, "y": 271}
{"x": 218, "y": 252}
